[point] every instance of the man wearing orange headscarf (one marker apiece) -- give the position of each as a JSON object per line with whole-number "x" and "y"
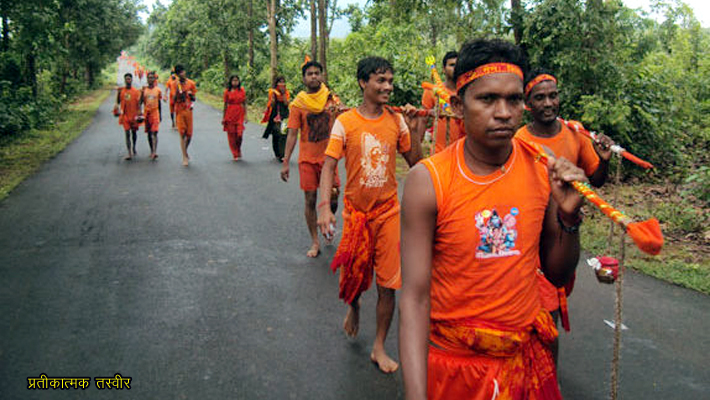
{"x": 478, "y": 220}
{"x": 546, "y": 129}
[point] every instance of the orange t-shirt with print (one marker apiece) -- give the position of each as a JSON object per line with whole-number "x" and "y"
{"x": 130, "y": 106}
{"x": 580, "y": 151}
{"x": 151, "y": 99}
{"x": 455, "y": 131}
{"x": 181, "y": 94}
{"x": 370, "y": 148}
{"x": 315, "y": 132}
{"x": 567, "y": 144}
{"x": 487, "y": 241}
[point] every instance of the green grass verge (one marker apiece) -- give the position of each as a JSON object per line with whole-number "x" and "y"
{"x": 22, "y": 155}
{"x": 681, "y": 261}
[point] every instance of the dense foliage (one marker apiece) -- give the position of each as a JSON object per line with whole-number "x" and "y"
{"x": 52, "y": 49}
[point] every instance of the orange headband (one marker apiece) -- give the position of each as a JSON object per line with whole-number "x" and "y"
{"x": 538, "y": 79}
{"x": 487, "y": 69}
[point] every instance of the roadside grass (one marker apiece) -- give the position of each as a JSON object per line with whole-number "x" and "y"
{"x": 22, "y": 155}
{"x": 684, "y": 260}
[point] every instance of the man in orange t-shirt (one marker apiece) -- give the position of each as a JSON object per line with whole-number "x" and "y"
{"x": 312, "y": 112}
{"x": 184, "y": 96}
{"x": 169, "y": 94}
{"x": 369, "y": 138}
{"x": 478, "y": 220}
{"x": 446, "y": 129}
{"x": 153, "y": 113}
{"x": 128, "y": 101}
{"x": 546, "y": 129}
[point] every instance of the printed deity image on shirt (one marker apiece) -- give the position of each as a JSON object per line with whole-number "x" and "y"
{"x": 497, "y": 235}
{"x": 374, "y": 161}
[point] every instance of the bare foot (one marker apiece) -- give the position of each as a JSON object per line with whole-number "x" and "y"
{"x": 383, "y": 361}
{"x": 351, "y": 324}
{"x": 185, "y": 163}
{"x": 314, "y": 251}
{"x": 128, "y": 157}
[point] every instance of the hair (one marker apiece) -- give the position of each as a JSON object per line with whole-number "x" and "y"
{"x": 229, "y": 82}
{"x": 449, "y": 55}
{"x": 278, "y": 79}
{"x": 372, "y": 65}
{"x": 179, "y": 68}
{"x": 309, "y": 64}
{"x": 128, "y": 74}
{"x": 478, "y": 52}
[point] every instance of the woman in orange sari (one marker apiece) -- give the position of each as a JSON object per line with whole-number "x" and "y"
{"x": 234, "y": 116}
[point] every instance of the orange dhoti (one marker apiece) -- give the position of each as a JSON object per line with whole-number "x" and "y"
{"x": 476, "y": 361}
{"x": 152, "y": 121}
{"x": 129, "y": 122}
{"x": 370, "y": 245}
{"x": 183, "y": 120}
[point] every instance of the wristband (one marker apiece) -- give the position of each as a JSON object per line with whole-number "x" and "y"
{"x": 569, "y": 229}
{"x": 322, "y": 203}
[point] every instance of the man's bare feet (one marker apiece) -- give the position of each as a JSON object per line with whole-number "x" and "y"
{"x": 383, "y": 361}
{"x": 314, "y": 251}
{"x": 185, "y": 162}
{"x": 128, "y": 157}
{"x": 351, "y": 324}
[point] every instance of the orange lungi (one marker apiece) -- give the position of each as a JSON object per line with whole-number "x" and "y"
{"x": 476, "y": 361}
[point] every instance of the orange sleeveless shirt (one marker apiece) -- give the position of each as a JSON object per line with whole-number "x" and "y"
{"x": 486, "y": 245}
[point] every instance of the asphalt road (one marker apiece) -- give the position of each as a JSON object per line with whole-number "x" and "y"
{"x": 194, "y": 283}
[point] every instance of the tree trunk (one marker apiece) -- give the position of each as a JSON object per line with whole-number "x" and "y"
{"x": 250, "y": 14}
{"x": 516, "y": 19}
{"x": 314, "y": 30}
{"x": 5, "y": 31}
{"x": 31, "y": 75}
{"x": 272, "y": 37}
{"x": 226, "y": 65}
{"x": 322, "y": 49}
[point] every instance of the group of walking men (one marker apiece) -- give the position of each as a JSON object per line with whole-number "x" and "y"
{"x": 486, "y": 233}
{"x": 135, "y": 106}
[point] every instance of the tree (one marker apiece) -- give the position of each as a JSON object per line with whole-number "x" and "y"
{"x": 273, "y": 45}
{"x": 323, "y": 36}
{"x": 314, "y": 30}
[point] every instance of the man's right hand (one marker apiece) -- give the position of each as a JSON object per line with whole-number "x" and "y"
{"x": 326, "y": 221}
{"x": 285, "y": 172}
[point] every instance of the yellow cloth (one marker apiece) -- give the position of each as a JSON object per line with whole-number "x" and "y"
{"x": 312, "y": 102}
